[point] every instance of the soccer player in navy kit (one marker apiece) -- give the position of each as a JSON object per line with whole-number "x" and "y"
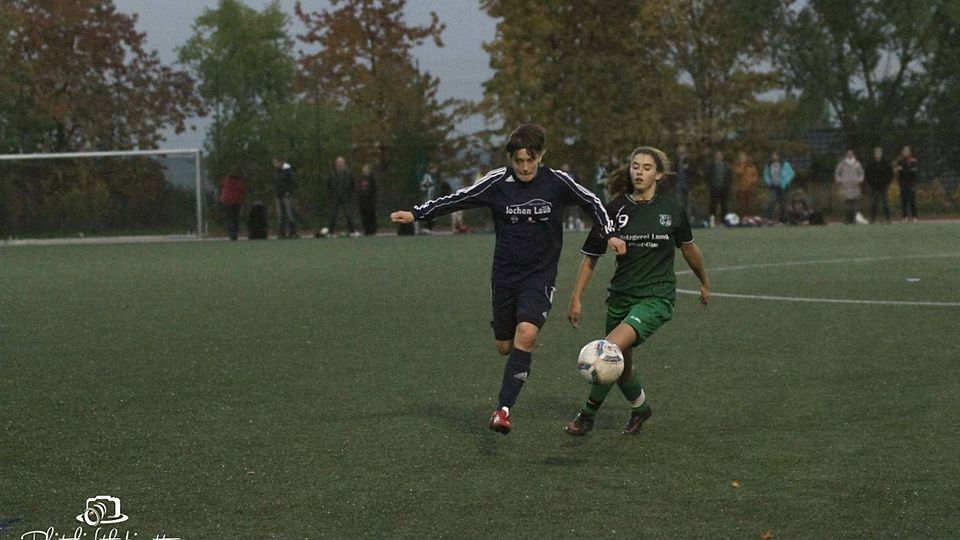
{"x": 527, "y": 203}
{"x": 644, "y": 285}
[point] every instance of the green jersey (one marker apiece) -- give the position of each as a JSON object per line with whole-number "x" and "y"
{"x": 652, "y": 230}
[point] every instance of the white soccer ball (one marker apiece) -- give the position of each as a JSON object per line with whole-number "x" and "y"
{"x": 600, "y": 362}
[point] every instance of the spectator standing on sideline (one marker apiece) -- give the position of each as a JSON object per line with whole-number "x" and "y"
{"x": 456, "y": 218}
{"x": 367, "y": 200}
{"x": 341, "y": 189}
{"x": 719, "y": 179}
{"x": 746, "y": 179}
{"x": 232, "y": 191}
{"x": 849, "y": 174}
{"x": 602, "y": 174}
{"x": 428, "y": 191}
{"x": 777, "y": 176}
{"x": 908, "y": 175}
{"x": 878, "y": 176}
{"x": 286, "y": 188}
{"x": 683, "y": 179}
{"x": 571, "y": 213}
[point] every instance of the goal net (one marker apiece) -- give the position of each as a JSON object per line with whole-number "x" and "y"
{"x": 123, "y": 193}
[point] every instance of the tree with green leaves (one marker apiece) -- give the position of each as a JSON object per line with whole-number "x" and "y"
{"x": 879, "y": 66}
{"x": 582, "y": 70}
{"x": 244, "y": 63}
{"x": 718, "y": 51}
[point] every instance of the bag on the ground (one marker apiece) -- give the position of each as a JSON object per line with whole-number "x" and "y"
{"x": 257, "y": 222}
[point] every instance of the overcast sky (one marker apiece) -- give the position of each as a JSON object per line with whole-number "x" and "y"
{"x": 461, "y": 65}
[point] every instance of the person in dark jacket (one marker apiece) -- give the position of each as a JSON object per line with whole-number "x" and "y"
{"x": 367, "y": 200}
{"x": 231, "y": 197}
{"x": 908, "y": 175}
{"x": 719, "y": 177}
{"x": 341, "y": 189}
{"x": 878, "y": 176}
{"x": 285, "y": 187}
{"x": 683, "y": 179}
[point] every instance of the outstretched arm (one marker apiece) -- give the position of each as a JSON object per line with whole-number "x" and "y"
{"x": 694, "y": 258}
{"x": 583, "y": 277}
{"x": 473, "y": 196}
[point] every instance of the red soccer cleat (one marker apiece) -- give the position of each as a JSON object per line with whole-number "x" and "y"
{"x": 500, "y": 421}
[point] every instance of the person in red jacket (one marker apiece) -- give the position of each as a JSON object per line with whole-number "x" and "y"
{"x": 231, "y": 197}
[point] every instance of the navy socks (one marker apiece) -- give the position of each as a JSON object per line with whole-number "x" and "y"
{"x": 515, "y": 373}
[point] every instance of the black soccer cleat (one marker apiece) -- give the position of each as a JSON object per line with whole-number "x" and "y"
{"x": 580, "y": 425}
{"x": 636, "y": 421}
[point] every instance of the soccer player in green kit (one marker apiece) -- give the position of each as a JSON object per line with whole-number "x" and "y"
{"x": 644, "y": 286}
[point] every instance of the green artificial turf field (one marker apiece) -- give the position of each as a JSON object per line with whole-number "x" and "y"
{"x": 341, "y": 389}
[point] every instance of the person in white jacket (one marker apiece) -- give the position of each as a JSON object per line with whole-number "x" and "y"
{"x": 849, "y": 174}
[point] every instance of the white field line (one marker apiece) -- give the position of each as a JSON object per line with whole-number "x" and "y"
{"x": 824, "y": 300}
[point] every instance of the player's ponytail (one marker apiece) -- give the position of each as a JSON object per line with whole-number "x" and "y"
{"x": 618, "y": 182}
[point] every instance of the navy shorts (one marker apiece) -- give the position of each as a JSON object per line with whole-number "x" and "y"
{"x": 514, "y": 305}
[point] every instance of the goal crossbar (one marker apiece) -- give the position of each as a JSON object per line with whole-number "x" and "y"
{"x": 122, "y": 153}
{"x": 115, "y": 153}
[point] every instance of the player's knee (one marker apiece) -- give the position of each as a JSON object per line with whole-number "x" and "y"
{"x": 526, "y": 336}
{"x": 504, "y": 347}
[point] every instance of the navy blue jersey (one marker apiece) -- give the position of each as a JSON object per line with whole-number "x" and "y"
{"x": 527, "y": 217}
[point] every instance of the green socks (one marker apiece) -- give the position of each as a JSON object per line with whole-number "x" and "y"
{"x": 632, "y": 390}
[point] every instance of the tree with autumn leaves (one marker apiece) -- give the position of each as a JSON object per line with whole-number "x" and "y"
{"x": 360, "y": 63}
{"x": 78, "y": 78}
{"x": 75, "y": 76}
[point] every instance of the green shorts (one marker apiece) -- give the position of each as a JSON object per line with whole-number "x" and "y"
{"x": 645, "y": 316}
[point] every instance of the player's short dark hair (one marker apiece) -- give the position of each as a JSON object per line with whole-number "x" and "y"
{"x": 529, "y": 137}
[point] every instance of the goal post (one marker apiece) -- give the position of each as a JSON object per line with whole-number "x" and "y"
{"x": 198, "y": 185}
